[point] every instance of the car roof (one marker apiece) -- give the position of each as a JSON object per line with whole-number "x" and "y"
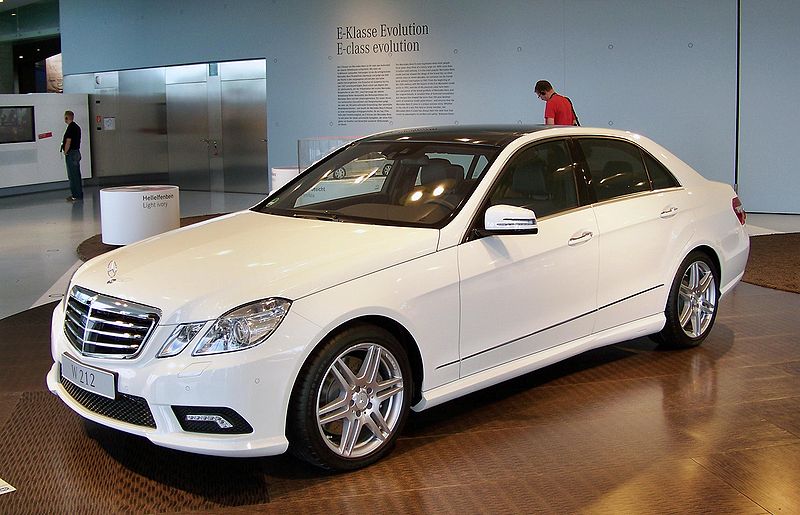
{"x": 492, "y": 135}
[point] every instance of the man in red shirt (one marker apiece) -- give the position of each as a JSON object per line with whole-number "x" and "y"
{"x": 558, "y": 110}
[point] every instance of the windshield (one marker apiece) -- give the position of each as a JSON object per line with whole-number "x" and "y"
{"x": 399, "y": 183}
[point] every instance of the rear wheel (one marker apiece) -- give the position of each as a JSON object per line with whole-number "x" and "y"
{"x": 692, "y": 303}
{"x": 352, "y": 399}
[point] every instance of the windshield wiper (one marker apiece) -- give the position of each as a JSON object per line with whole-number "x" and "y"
{"x": 328, "y": 217}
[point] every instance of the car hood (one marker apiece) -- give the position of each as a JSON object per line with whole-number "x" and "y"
{"x": 202, "y": 271}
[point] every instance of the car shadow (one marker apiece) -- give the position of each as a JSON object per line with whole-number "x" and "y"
{"x": 248, "y": 481}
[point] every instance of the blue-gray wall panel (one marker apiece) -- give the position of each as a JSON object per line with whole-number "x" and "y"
{"x": 666, "y": 69}
{"x": 769, "y": 179}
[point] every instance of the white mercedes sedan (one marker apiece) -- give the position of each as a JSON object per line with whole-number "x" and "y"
{"x": 456, "y": 258}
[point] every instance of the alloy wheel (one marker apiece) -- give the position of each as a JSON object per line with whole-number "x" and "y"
{"x": 697, "y": 299}
{"x": 360, "y": 400}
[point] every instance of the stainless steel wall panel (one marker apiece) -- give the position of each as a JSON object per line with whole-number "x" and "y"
{"x": 142, "y": 122}
{"x": 215, "y": 143}
{"x": 239, "y": 70}
{"x": 244, "y": 133}
{"x": 106, "y": 80}
{"x": 207, "y": 132}
{"x": 187, "y": 73}
{"x": 104, "y": 103}
{"x": 187, "y": 128}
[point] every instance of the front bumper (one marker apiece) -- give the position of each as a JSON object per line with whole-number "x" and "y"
{"x": 255, "y": 384}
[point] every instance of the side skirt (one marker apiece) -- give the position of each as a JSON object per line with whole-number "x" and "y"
{"x": 441, "y": 394}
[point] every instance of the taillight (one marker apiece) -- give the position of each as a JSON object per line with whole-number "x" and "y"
{"x": 738, "y": 208}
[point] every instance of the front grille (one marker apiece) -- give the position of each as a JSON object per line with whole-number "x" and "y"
{"x": 125, "y": 408}
{"x": 101, "y": 326}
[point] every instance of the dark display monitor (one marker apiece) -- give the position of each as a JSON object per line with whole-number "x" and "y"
{"x": 17, "y": 124}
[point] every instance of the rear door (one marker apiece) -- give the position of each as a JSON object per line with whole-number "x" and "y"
{"x": 643, "y": 224}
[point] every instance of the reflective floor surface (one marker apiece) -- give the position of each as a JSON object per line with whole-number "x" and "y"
{"x": 40, "y": 232}
{"x": 625, "y": 429}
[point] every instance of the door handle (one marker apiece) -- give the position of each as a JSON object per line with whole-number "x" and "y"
{"x": 669, "y": 212}
{"x": 579, "y": 238}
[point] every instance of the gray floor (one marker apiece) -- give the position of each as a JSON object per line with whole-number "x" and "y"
{"x": 40, "y": 232}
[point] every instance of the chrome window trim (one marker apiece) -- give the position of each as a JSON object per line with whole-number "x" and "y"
{"x": 636, "y": 195}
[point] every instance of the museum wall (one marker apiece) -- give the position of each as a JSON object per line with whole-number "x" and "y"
{"x": 39, "y": 160}
{"x": 768, "y": 172}
{"x": 353, "y": 67}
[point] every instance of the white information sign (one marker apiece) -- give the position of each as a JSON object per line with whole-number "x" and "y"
{"x": 5, "y": 488}
{"x": 133, "y": 213}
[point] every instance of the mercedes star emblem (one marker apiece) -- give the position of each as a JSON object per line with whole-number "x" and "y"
{"x": 112, "y": 271}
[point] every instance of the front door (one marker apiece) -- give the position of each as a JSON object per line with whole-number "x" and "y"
{"x": 521, "y": 294}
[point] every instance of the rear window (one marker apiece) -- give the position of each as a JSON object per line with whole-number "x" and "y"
{"x": 659, "y": 175}
{"x": 616, "y": 167}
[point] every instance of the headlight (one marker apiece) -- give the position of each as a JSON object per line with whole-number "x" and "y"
{"x": 243, "y": 327}
{"x": 179, "y": 339}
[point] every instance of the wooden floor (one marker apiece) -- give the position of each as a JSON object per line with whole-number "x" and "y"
{"x": 626, "y": 429}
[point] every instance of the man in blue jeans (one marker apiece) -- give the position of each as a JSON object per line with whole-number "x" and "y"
{"x": 71, "y": 147}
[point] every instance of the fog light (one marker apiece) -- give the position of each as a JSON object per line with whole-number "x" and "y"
{"x": 221, "y": 422}
{"x": 211, "y": 420}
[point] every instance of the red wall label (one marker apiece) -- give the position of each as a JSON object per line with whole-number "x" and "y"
{"x": 45, "y": 135}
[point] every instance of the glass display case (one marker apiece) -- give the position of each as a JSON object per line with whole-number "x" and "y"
{"x": 311, "y": 150}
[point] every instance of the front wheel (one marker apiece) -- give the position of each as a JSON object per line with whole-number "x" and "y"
{"x": 692, "y": 304}
{"x": 352, "y": 399}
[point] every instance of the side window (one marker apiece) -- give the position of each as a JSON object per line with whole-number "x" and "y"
{"x": 660, "y": 176}
{"x": 541, "y": 178}
{"x": 616, "y": 167}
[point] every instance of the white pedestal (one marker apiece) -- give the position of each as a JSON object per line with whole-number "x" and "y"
{"x": 133, "y": 213}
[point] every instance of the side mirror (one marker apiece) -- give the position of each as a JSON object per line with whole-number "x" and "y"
{"x": 503, "y": 219}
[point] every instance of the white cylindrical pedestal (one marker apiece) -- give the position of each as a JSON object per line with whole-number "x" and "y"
{"x": 133, "y": 213}
{"x": 281, "y": 176}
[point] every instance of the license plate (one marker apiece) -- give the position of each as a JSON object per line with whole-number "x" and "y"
{"x": 88, "y": 378}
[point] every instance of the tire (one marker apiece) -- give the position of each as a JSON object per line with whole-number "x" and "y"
{"x": 351, "y": 400}
{"x": 692, "y": 304}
